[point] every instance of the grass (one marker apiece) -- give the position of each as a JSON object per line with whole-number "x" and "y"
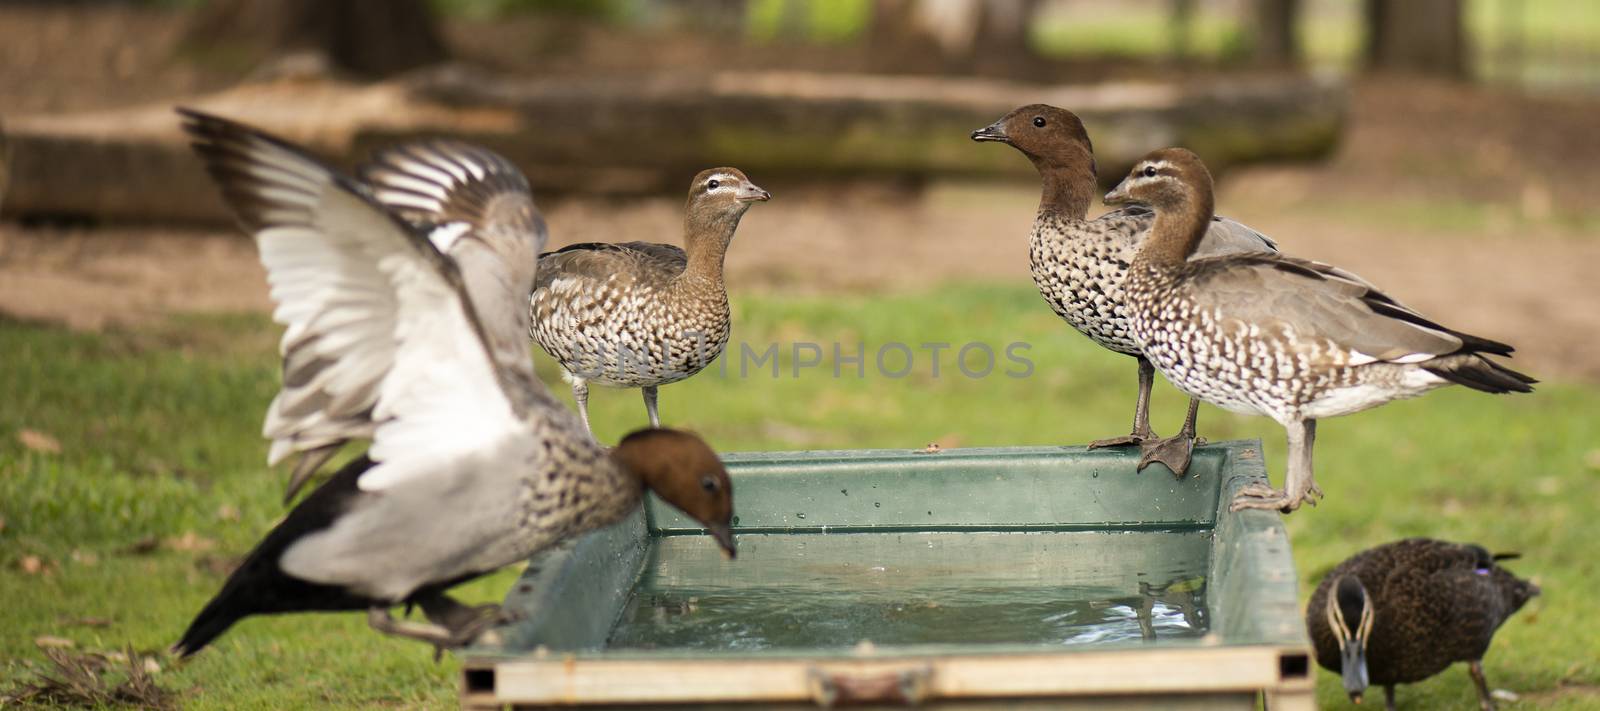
{"x": 159, "y": 482}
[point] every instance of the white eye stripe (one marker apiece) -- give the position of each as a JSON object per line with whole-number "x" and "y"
{"x": 725, "y": 183}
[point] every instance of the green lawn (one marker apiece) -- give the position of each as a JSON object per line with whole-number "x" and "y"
{"x": 160, "y": 482}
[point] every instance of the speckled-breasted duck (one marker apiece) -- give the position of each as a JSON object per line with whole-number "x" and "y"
{"x": 640, "y": 314}
{"x": 1080, "y": 264}
{"x": 473, "y": 464}
{"x": 1404, "y": 611}
{"x": 1266, "y": 334}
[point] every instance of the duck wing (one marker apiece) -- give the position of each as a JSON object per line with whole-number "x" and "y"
{"x": 382, "y": 339}
{"x": 1224, "y": 236}
{"x": 1318, "y": 304}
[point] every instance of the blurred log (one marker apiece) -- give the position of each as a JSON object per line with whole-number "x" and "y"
{"x": 634, "y": 135}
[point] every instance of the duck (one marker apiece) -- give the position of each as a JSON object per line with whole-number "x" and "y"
{"x": 473, "y": 465}
{"x": 1079, "y": 265}
{"x": 641, "y": 314}
{"x": 1267, "y": 334}
{"x": 1404, "y": 611}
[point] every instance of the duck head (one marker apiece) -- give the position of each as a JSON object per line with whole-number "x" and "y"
{"x": 723, "y": 193}
{"x": 684, "y": 471}
{"x": 1350, "y": 616}
{"x": 1165, "y": 179}
{"x": 1055, "y": 141}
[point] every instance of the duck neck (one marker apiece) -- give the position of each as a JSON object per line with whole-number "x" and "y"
{"x": 706, "y": 236}
{"x": 1069, "y": 183}
{"x": 1177, "y": 232}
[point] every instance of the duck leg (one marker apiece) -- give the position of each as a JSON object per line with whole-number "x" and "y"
{"x": 465, "y": 623}
{"x": 1173, "y": 451}
{"x": 1299, "y": 487}
{"x": 650, "y": 405}
{"x": 580, "y": 394}
{"x": 1485, "y": 699}
{"x": 378, "y": 618}
{"x": 1141, "y": 412}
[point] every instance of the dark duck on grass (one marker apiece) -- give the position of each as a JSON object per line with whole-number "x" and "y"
{"x": 410, "y": 331}
{"x": 1080, "y": 265}
{"x": 1287, "y": 338}
{"x": 1404, "y": 611}
{"x": 640, "y": 314}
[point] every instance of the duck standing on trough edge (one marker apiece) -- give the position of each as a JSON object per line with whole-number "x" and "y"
{"x": 1080, "y": 265}
{"x": 1404, "y": 611}
{"x": 1266, "y": 334}
{"x": 641, "y": 314}
{"x": 473, "y": 464}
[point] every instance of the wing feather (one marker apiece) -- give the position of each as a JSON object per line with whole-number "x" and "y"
{"x": 381, "y": 339}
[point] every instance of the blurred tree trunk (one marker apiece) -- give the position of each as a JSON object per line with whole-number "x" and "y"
{"x": 1421, "y": 36}
{"x": 1180, "y": 23}
{"x": 957, "y": 35}
{"x": 1275, "y": 40}
{"x": 724, "y": 17}
{"x": 1003, "y": 30}
{"x": 371, "y": 38}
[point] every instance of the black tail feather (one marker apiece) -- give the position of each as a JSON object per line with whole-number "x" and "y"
{"x": 1482, "y": 374}
{"x": 260, "y": 587}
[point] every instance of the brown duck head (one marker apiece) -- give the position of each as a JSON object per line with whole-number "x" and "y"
{"x": 1055, "y": 140}
{"x": 721, "y": 195}
{"x": 1175, "y": 183}
{"x": 1350, "y": 615}
{"x": 684, "y": 471}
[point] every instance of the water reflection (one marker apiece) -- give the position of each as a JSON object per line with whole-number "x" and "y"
{"x": 812, "y": 591}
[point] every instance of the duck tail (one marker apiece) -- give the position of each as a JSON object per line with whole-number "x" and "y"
{"x": 217, "y": 616}
{"x": 1480, "y": 373}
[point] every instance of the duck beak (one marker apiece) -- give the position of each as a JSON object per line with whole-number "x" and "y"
{"x": 993, "y": 132}
{"x": 724, "y": 535}
{"x": 1353, "y": 669}
{"x": 1118, "y": 195}
{"x": 750, "y": 192}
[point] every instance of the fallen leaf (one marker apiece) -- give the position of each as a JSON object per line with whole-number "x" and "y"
{"x": 142, "y": 546}
{"x": 151, "y": 666}
{"x": 218, "y": 565}
{"x": 190, "y": 542}
{"x": 31, "y": 564}
{"x": 38, "y": 441}
{"x": 227, "y": 512}
{"x": 83, "y": 557}
{"x": 84, "y": 621}
{"x": 49, "y": 642}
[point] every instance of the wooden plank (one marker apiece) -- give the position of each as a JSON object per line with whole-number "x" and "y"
{"x": 570, "y": 680}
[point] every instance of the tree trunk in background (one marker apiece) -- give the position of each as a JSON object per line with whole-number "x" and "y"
{"x": 1003, "y": 31}
{"x": 1420, "y": 36}
{"x": 1180, "y": 23}
{"x": 1275, "y": 41}
{"x": 371, "y": 38}
{"x": 958, "y": 36}
{"x": 723, "y": 17}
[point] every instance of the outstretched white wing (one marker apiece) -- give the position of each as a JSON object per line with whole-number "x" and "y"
{"x": 380, "y": 340}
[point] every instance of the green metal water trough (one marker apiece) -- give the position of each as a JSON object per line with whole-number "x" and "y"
{"x": 1041, "y": 577}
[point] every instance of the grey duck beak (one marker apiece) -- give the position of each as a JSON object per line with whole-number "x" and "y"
{"x": 1118, "y": 196}
{"x": 993, "y": 132}
{"x": 724, "y": 535}
{"x": 750, "y": 192}
{"x": 1353, "y": 669}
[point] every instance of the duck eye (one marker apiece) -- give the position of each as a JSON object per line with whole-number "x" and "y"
{"x": 712, "y": 184}
{"x": 708, "y": 482}
{"x": 1149, "y": 171}
{"x": 1038, "y": 121}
